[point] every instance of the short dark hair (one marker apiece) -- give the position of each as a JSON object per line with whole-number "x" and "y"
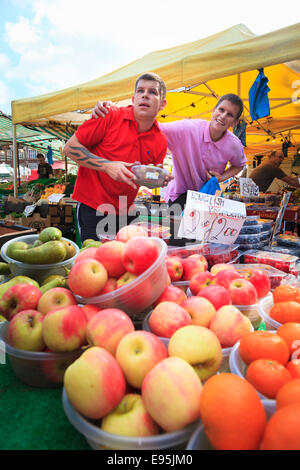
{"x": 234, "y": 99}
{"x": 155, "y": 78}
{"x": 40, "y": 155}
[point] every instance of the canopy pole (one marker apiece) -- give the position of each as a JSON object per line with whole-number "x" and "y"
{"x": 15, "y": 160}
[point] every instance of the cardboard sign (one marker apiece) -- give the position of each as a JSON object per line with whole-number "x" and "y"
{"x": 212, "y": 219}
{"x": 248, "y": 188}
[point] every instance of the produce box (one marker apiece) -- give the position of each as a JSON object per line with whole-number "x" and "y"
{"x": 9, "y": 231}
{"x": 281, "y": 261}
{"x": 213, "y": 252}
{"x": 35, "y": 221}
{"x": 275, "y": 275}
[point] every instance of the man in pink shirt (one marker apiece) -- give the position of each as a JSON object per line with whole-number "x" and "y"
{"x": 200, "y": 149}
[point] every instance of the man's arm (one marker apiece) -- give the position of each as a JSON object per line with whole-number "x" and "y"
{"x": 82, "y": 156}
{"x": 232, "y": 171}
{"x": 291, "y": 180}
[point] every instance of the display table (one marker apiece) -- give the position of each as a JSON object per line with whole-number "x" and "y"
{"x": 33, "y": 418}
{"x": 292, "y": 213}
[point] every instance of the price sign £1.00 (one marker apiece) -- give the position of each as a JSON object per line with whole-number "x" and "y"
{"x": 212, "y": 219}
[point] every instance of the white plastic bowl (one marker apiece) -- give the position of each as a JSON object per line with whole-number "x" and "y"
{"x": 101, "y": 440}
{"x": 238, "y": 367}
{"x": 36, "y": 369}
{"x": 264, "y": 308}
{"x": 39, "y": 272}
{"x": 199, "y": 439}
{"x": 140, "y": 294}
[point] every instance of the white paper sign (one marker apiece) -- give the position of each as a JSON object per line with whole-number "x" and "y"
{"x": 55, "y": 197}
{"x": 212, "y": 219}
{"x": 248, "y": 187}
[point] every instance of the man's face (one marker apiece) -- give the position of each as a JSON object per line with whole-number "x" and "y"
{"x": 278, "y": 158}
{"x": 41, "y": 160}
{"x": 146, "y": 100}
{"x": 224, "y": 116}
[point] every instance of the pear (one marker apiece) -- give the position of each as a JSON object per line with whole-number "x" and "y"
{"x": 50, "y": 233}
{"x": 16, "y": 246}
{"x": 4, "y": 268}
{"x": 48, "y": 253}
{"x": 57, "y": 281}
{"x": 71, "y": 250}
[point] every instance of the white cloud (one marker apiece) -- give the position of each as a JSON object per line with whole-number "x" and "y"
{"x": 4, "y": 95}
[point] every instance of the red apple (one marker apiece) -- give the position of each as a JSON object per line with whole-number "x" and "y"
{"x": 64, "y": 329}
{"x": 139, "y": 254}
{"x": 220, "y": 267}
{"x": 125, "y": 279}
{"x": 87, "y": 278}
{"x": 130, "y": 231}
{"x": 201, "y": 258}
{"x": 200, "y": 309}
{"x": 225, "y": 276}
{"x": 200, "y": 280}
{"x": 25, "y": 331}
{"x": 110, "y": 285}
{"x": 19, "y": 297}
{"x": 191, "y": 266}
{"x": 260, "y": 281}
{"x": 174, "y": 268}
{"x": 54, "y": 298}
{"x": 230, "y": 325}
{"x": 242, "y": 292}
{"x": 110, "y": 255}
{"x": 86, "y": 253}
{"x": 167, "y": 317}
{"x": 217, "y": 295}
{"x": 172, "y": 294}
{"x": 107, "y": 327}
{"x": 90, "y": 310}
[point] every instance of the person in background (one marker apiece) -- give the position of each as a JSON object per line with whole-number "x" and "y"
{"x": 44, "y": 169}
{"x": 265, "y": 173}
{"x": 105, "y": 149}
{"x": 200, "y": 149}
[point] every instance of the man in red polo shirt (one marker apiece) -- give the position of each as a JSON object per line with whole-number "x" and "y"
{"x": 105, "y": 149}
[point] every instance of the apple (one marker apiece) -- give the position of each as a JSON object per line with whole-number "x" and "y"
{"x": 200, "y": 347}
{"x": 201, "y": 258}
{"x": 54, "y": 369}
{"x": 130, "y": 231}
{"x": 86, "y": 253}
{"x": 95, "y": 383}
{"x": 64, "y": 329}
{"x": 242, "y": 292}
{"x": 54, "y": 298}
{"x": 191, "y": 266}
{"x": 110, "y": 285}
{"x": 137, "y": 353}
{"x": 260, "y": 280}
{"x": 90, "y": 310}
{"x": 19, "y": 297}
{"x": 174, "y": 268}
{"x": 217, "y": 295}
{"x": 171, "y": 393}
{"x": 220, "y": 267}
{"x": 201, "y": 310}
{"x": 225, "y": 276}
{"x": 87, "y": 278}
{"x": 200, "y": 280}
{"x": 230, "y": 325}
{"x": 126, "y": 278}
{"x": 110, "y": 255}
{"x": 130, "y": 418}
{"x": 139, "y": 254}
{"x": 171, "y": 294}
{"x": 107, "y": 327}
{"x": 25, "y": 330}
{"x": 167, "y": 317}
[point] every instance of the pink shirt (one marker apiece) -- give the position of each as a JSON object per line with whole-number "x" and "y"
{"x": 194, "y": 153}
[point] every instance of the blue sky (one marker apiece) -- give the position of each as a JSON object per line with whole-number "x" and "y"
{"x": 47, "y": 45}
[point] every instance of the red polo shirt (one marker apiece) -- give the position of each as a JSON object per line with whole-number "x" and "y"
{"x": 115, "y": 138}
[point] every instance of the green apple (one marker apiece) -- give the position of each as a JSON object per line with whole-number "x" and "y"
{"x": 130, "y": 418}
{"x": 25, "y": 331}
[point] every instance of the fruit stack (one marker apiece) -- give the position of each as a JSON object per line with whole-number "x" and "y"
{"x": 253, "y": 235}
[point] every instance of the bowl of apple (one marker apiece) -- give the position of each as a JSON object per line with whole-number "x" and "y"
{"x": 42, "y": 369}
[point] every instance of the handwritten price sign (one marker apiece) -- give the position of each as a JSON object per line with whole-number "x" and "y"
{"x": 248, "y": 187}
{"x": 212, "y": 219}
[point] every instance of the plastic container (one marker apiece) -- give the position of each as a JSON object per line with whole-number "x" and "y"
{"x": 288, "y": 240}
{"x": 37, "y": 369}
{"x": 251, "y": 229}
{"x": 251, "y": 220}
{"x": 281, "y": 261}
{"x": 275, "y": 275}
{"x": 101, "y": 440}
{"x": 251, "y": 312}
{"x": 213, "y": 252}
{"x": 200, "y": 441}
{"x": 264, "y": 308}
{"x": 150, "y": 176}
{"x": 238, "y": 366}
{"x": 266, "y": 224}
{"x": 253, "y": 246}
{"x": 250, "y": 239}
{"x": 36, "y": 271}
{"x": 136, "y": 297}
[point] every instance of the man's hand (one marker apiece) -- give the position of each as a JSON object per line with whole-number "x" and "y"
{"x": 211, "y": 173}
{"x": 101, "y": 109}
{"x": 118, "y": 171}
{"x": 168, "y": 177}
